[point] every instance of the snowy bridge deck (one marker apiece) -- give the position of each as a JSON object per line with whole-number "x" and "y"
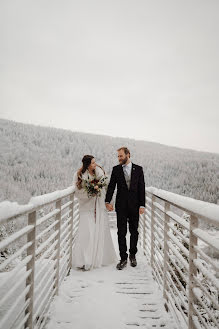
{"x": 36, "y": 291}
{"x": 106, "y": 298}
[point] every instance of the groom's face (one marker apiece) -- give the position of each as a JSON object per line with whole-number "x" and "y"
{"x": 122, "y": 157}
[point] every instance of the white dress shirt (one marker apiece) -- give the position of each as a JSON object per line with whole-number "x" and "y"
{"x": 128, "y": 168}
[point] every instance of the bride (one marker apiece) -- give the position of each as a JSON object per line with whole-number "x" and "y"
{"x": 93, "y": 244}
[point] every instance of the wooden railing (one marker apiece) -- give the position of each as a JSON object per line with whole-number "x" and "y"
{"x": 181, "y": 251}
{"x": 35, "y": 257}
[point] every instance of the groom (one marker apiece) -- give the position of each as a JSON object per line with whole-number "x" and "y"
{"x": 130, "y": 202}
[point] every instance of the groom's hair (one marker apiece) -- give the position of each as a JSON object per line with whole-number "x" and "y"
{"x": 125, "y": 149}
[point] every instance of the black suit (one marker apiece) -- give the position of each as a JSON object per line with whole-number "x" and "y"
{"x": 128, "y": 202}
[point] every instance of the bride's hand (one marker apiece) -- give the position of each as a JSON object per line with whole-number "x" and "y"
{"x": 141, "y": 211}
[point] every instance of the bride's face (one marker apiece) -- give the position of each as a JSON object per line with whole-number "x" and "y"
{"x": 93, "y": 165}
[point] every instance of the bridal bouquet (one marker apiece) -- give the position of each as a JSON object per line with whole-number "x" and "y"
{"x": 95, "y": 186}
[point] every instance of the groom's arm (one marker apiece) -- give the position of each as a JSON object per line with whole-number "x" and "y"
{"x": 141, "y": 187}
{"x": 111, "y": 187}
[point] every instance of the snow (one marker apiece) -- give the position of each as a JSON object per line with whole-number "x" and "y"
{"x": 205, "y": 209}
{"x": 108, "y": 298}
{"x": 13, "y": 209}
{"x": 208, "y": 250}
{"x": 179, "y": 244}
{"x": 206, "y": 272}
{"x": 178, "y": 219}
{"x": 51, "y": 197}
{"x": 178, "y": 255}
{"x": 101, "y": 298}
{"x": 207, "y": 238}
{"x": 9, "y": 280}
{"x": 4, "y": 243}
{"x": 105, "y": 297}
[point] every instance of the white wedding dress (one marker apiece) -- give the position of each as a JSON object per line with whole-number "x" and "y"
{"x": 93, "y": 244}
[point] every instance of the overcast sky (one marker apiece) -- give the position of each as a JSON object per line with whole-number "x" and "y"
{"x": 140, "y": 69}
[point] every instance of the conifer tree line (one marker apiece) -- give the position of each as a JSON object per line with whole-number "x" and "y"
{"x": 36, "y": 160}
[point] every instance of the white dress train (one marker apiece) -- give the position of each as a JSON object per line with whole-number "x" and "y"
{"x": 93, "y": 244}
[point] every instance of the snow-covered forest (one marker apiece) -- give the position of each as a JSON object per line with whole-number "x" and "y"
{"x": 36, "y": 160}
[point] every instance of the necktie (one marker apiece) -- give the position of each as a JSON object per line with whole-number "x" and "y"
{"x": 126, "y": 174}
{"x": 125, "y": 170}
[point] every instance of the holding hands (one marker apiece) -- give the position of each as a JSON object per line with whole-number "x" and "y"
{"x": 141, "y": 211}
{"x": 109, "y": 206}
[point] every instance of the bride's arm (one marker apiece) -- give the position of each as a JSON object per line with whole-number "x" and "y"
{"x": 75, "y": 178}
{"x": 79, "y": 193}
{"x": 106, "y": 180}
{"x": 100, "y": 173}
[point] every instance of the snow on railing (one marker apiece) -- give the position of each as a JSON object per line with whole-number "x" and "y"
{"x": 36, "y": 255}
{"x": 181, "y": 253}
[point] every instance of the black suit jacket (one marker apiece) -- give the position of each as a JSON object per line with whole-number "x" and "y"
{"x": 135, "y": 196}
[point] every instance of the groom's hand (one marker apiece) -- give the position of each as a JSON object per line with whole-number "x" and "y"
{"x": 141, "y": 211}
{"x": 109, "y": 206}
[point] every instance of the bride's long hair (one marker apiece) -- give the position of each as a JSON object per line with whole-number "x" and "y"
{"x": 86, "y": 161}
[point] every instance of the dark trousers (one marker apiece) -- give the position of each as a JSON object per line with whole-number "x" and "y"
{"x": 131, "y": 217}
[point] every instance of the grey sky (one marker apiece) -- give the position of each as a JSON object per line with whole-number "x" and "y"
{"x": 140, "y": 69}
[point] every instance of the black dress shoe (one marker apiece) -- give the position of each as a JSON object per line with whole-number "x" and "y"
{"x": 133, "y": 261}
{"x": 121, "y": 264}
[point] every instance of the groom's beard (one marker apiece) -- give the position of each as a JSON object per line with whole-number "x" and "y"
{"x": 122, "y": 162}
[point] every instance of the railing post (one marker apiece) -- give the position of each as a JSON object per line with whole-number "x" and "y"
{"x": 71, "y": 229}
{"x": 144, "y": 227}
{"x": 166, "y": 249}
{"x": 58, "y": 228}
{"x": 31, "y": 237}
{"x": 152, "y": 230}
{"x": 192, "y": 268}
{"x": 144, "y": 232}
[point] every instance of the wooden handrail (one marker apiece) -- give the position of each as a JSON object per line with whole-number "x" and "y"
{"x": 39, "y": 257}
{"x": 173, "y": 223}
{"x": 11, "y": 210}
{"x": 201, "y": 209}
{"x": 169, "y": 236}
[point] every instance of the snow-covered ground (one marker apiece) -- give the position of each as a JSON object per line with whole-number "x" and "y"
{"x": 106, "y": 298}
{"x": 17, "y": 280}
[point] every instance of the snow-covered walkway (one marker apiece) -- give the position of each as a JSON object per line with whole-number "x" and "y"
{"x": 106, "y": 298}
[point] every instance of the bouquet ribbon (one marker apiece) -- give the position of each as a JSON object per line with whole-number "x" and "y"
{"x": 95, "y": 210}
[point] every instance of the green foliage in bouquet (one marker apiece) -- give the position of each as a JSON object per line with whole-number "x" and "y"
{"x": 95, "y": 186}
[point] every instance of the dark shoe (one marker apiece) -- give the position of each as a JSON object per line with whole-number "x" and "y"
{"x": 80, "y": 268}
{"x": 121, "y": 264}
{"x": 133, "y": 261}
{"x": 83, "y": 268}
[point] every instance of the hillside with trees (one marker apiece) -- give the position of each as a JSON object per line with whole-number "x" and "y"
{"x": 36, "y": 160}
